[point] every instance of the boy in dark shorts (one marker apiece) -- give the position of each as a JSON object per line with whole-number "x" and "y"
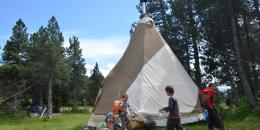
{"x": 174, "y": 120}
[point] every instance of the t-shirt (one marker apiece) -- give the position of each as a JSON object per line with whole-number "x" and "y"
{"x": 123, "y": 106}
{"x": 173, "y": 108}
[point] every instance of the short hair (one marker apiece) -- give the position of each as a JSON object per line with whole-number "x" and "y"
{"x": 211, "y": 85}
{"x": 125, "y": 96}
{"x": 169, "y": 89}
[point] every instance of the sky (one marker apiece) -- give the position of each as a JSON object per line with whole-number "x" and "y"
{"x": 102, "y": 26}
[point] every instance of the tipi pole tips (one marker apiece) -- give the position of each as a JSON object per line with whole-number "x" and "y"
{"x": 144, "y": 5}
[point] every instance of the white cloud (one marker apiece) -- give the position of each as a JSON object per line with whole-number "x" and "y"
{"x": 111, "y": 65}
{"x": 105, "y": 51}
{"x": 104, "y": 69}
{"x": 89, "y": 67}
{"x": 101, "y": 48}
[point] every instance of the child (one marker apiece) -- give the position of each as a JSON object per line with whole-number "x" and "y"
{"x": 174, "y": 120}
{"x": 123, "y": 111}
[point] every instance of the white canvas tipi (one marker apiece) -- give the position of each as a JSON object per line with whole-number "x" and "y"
{"x": 146, "y": 68}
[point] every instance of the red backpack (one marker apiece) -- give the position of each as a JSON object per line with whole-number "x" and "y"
{"x": 116, "y": 107}
{"x": 205, "y": 100}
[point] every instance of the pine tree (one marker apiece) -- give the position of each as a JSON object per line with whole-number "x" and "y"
{"x": 242, "y": 73}
{"x": 54, "y": 57}
{"x": 178, "y": 37}
{"x": 15, "y": 56}
{"x": 221, "y": 35}
{"x": 77, "y": 63}
{"x": 94, "y": 87}
{"x": 37, "y": 63}
{"x": 217, "y": 49}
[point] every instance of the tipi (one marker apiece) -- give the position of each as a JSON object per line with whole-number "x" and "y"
{"x": 146, "y": 68}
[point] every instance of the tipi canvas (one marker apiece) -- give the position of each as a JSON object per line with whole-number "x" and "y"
{"x": 146, "y": 68}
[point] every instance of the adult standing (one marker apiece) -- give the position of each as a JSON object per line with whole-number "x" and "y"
{"x": 207, "y": 98}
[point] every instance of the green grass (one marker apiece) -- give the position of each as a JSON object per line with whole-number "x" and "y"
{"x": 237, "y": 122}
{"x": 59, "y": 122}
{"x": 76, "y": 121}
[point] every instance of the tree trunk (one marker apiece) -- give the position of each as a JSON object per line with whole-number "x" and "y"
{"x": 74, "y": 95}
{"x": 251, "y": 58}
{"x": 195, "y": 46}
{"x": 57, "y": 104}
{"x": 187, "y": 58}
{"x": 197, "y": 63}
{"x": 50, "y": 78}
{"x": 242, "y": 74}
{"x": 40, "y": 98}
{"x": 14, "y": 105}
{"x": 84, "y": 101}
{"x": 256, "y": 5}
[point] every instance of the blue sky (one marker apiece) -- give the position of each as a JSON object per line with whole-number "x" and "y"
{"x": 101, "y": 25}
